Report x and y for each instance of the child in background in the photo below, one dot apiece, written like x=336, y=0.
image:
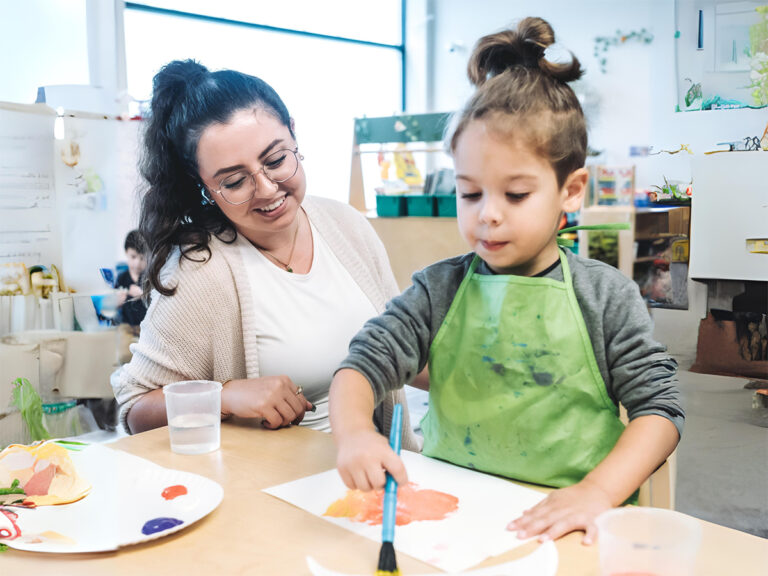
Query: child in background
x=530, y=348
x=132, y=307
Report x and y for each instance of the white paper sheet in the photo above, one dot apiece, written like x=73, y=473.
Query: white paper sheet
x=476, y=531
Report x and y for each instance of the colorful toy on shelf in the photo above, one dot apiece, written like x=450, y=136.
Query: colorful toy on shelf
x=406, y=168
x=614, y=185
x=672, y=192
x=384, y=165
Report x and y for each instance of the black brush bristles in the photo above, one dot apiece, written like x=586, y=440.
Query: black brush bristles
x=387, y=561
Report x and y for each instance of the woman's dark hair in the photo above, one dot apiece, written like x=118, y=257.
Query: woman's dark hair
x=186, y=99
x=522, y=94
x=134, y=240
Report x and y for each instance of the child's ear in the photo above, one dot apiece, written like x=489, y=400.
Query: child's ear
x=574, y=189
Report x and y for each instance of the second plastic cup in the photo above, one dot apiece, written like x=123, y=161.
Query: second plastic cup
x=194, y=415
x=647, y=542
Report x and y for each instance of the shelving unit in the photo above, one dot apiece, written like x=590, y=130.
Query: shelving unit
x=656, y=233
x=412, y=243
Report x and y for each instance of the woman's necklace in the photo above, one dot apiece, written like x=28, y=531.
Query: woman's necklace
x=286, y=265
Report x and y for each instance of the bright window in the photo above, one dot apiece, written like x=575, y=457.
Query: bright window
x=324, y=83
x=372, y=21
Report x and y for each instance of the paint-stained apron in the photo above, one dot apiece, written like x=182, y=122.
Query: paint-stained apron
x=515, y=388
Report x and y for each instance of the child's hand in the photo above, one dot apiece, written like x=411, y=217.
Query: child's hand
x=563, y=511
x=134, y=291
x=362, y=459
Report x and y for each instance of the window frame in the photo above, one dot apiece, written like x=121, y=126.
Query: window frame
x=400, y=48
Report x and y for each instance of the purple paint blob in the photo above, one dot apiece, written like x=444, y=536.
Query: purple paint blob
x=159, y=524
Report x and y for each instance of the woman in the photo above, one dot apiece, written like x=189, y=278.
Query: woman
x=255, y=285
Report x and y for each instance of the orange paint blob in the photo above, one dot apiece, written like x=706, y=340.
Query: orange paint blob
x=173, y=491
x=413, y=505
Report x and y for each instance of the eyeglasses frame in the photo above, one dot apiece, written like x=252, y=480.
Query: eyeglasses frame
x=252, y=175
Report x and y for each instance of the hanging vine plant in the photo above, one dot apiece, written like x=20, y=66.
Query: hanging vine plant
x=602, y=43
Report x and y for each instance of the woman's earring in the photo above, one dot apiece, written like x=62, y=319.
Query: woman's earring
x=206, y=199
x=301, y=157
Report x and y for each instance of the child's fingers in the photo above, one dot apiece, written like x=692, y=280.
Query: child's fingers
x=590, y=534
x=377, y=478
x=360, y=480
x=346, y=477
x=394, y=465
x=561, y=528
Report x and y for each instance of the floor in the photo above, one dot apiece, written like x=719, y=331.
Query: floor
x=722, y=459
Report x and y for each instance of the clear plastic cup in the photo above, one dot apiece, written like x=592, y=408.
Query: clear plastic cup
x=647, y=542
x=194, y=415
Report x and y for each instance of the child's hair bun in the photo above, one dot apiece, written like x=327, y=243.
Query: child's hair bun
x=524, y=47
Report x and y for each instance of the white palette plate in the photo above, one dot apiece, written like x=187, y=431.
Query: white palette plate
x=125, y=506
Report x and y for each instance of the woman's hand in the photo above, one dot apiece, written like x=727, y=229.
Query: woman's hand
x=362, y=459
x=563, y=511
x=276, y=399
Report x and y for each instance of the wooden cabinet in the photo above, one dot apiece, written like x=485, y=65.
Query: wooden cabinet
x=653, y=252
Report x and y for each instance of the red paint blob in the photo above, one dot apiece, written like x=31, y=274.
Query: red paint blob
x=173, y=491
x=413, y=505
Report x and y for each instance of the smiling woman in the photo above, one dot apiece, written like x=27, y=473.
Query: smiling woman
x=254, y=284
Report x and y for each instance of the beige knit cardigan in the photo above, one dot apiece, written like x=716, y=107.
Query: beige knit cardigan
x=207, y=329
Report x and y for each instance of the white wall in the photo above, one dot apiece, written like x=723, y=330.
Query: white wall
x=636, y=95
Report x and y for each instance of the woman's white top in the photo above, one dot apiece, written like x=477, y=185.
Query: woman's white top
x=307, y=351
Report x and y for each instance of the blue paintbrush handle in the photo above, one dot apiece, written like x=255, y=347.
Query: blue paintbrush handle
x=390, y=491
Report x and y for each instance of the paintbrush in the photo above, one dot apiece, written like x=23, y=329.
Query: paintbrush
x=387, y=560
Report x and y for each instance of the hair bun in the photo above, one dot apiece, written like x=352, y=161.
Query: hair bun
x=524, y=47
x=171, y=82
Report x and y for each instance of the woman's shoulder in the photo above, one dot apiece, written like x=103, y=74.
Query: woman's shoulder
x=209, y=264
x=326, y=208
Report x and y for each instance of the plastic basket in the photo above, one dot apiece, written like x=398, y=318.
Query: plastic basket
x=390, y=206
x=421, y=205
x=446, y=205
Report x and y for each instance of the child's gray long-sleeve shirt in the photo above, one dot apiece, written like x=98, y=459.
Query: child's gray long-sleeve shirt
x=392, y=348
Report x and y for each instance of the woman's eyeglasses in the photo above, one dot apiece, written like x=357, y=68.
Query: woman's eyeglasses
x=279, y=166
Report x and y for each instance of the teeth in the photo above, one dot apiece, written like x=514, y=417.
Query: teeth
x=276, y=204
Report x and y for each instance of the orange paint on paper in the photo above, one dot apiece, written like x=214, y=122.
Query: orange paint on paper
x=413, y=505
x=174, y=491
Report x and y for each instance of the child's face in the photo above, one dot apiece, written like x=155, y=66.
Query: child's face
x=136, y=262
x=509, y=203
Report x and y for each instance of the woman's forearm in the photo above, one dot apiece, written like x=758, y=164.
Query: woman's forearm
x=148, y=413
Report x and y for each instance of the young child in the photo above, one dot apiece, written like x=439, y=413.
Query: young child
x=132, y=307
x=530, y=348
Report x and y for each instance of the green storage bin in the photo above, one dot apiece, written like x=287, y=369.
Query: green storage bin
x=446, y=205
x=421, y=205
x=390, y=206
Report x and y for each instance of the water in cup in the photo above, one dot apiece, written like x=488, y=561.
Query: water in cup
x=194, y=433
x=194, y=415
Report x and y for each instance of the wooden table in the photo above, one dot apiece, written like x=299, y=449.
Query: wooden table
x=253, y=533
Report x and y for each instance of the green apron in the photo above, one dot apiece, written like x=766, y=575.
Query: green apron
x=515, y=389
